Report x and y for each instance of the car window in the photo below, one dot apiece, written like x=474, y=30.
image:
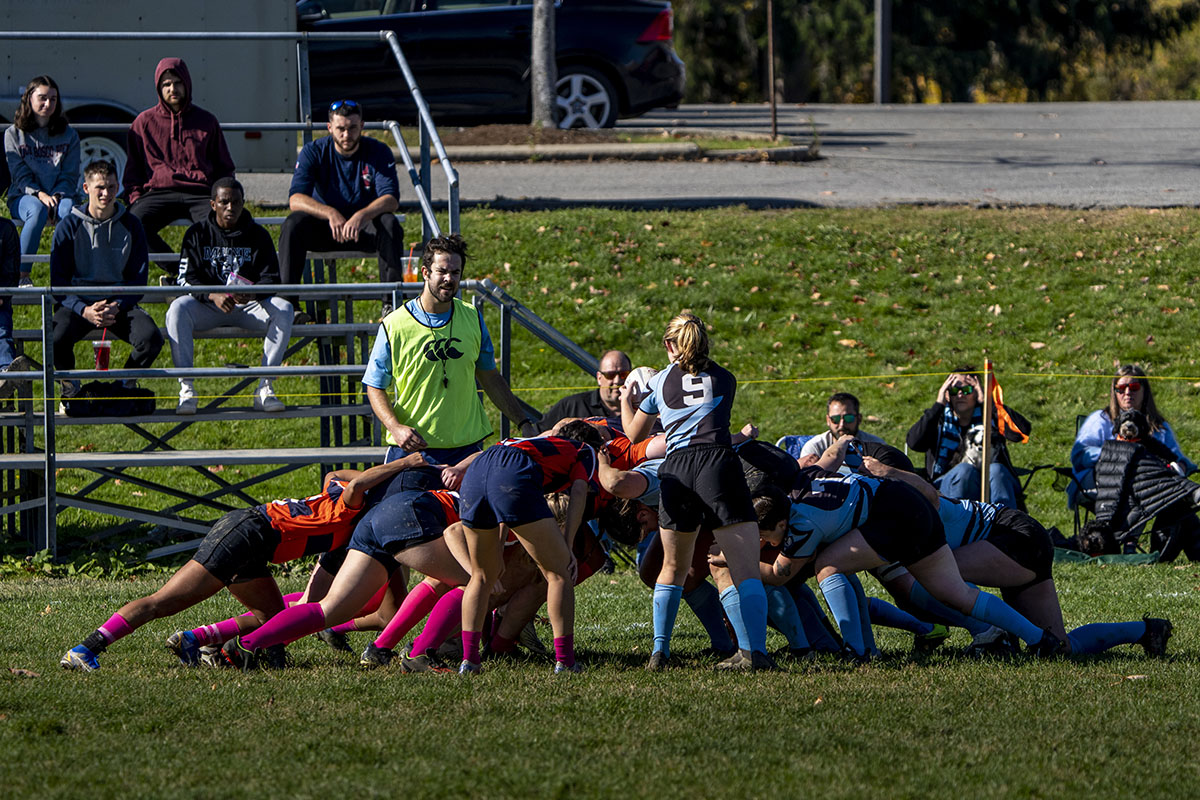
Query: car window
x=349, y=9
x=454, y=5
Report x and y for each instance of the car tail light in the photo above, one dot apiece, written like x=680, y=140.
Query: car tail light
x=660, y=30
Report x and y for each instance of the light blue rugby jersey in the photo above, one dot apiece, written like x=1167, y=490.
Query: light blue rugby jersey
x=966, y=521
x=694, y=409
x=836, y=505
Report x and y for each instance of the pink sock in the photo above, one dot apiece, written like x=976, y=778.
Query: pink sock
x=445, y=617
x=217, y=633
x=115, y=628
x=471, y=641
x=289, y=600
x=345, y=627
x=373, y=604
x=419, y=602
x=502, y=645
x=287, y=626
x=564, y=650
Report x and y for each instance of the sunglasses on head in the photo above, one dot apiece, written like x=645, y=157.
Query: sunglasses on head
x=614, y=374
x=344, y=105
x=836, y=418
x=961, y=390
x=1125, y=388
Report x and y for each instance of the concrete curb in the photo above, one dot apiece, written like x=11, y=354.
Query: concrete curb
x=622, y=151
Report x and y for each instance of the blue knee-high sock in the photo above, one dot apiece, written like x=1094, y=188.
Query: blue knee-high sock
x=884, y=613
x=839, y=594
x=1100, y=636
x=816, y=624
x=864, y=615
x=783, y=614
x=993, y=610
x=666, y=607
x=923, y=600
x=754, y=613
x=732, y=601
x=705, y=603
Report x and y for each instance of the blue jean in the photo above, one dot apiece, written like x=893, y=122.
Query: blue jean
x=962, y=483
x=33, y=215
x=7, y=351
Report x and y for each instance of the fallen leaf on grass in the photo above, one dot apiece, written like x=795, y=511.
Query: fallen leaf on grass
x=818, y=701
x=849, y=342
x=47, y=610
x=1037, y=345
x=24, y=673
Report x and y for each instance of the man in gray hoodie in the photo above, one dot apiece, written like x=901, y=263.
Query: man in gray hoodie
x=101, y=244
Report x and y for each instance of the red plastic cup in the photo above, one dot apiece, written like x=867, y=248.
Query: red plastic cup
x=102, y=349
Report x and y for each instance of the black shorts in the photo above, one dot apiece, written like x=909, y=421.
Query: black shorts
x=703, y=486
x=401, y=521
x=239, y=546
x=901, y=525
x=1023, y=539
x=332, y=561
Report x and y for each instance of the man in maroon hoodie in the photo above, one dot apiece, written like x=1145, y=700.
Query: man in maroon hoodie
x=176, y=153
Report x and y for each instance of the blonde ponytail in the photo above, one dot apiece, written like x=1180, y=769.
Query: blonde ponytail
x=686, y=332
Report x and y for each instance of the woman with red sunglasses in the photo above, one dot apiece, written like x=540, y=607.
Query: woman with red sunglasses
x=1130, y=390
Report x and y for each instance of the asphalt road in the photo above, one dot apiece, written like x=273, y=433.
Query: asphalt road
x=1083, y=155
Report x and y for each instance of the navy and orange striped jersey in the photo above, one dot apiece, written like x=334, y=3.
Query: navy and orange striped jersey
x=563, y=461
x=622, y=453
x=316, y=524
x=449, y=502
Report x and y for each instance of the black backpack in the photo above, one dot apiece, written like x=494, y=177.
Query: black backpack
x=109, y=399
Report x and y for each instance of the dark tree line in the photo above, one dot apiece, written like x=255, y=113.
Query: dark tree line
x=942, y=49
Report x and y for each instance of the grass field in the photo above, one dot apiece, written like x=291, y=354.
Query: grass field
x=1109, y=726
x=882, y=303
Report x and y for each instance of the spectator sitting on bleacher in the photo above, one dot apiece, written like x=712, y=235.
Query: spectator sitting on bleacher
x=342, y=197
x=42, y=151
x=228, y=249
x=176, y=152
x=843, y=418
x=101, y=244
x=603, y=401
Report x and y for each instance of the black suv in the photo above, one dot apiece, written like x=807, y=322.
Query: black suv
x=471, y=58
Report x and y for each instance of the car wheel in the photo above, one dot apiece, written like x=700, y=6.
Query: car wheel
x=97, y=148
x=584, y=99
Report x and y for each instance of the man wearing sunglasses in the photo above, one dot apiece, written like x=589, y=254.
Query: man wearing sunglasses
x=603, y=401
x=843, y=418
x=342, y=196
x=176, y=153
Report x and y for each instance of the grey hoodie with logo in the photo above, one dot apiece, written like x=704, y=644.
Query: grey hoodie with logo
x=91, y=253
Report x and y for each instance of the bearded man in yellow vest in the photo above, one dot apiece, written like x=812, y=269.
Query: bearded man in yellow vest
x=431, y=351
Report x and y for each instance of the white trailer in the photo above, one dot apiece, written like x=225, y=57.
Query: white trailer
x=104, y=81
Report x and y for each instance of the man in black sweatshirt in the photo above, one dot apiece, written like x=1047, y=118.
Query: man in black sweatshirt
x=226, y=251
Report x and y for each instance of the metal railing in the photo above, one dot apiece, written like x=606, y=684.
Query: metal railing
x=427, y=134
x=511, y=310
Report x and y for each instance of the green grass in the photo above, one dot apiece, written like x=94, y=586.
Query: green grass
x=882, y=303
x=1117, y=725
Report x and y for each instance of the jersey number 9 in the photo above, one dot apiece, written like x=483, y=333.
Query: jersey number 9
x=697, y=390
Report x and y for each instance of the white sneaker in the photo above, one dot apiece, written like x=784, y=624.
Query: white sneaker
x=188, y=402
x=24, y=280
x=265, y=399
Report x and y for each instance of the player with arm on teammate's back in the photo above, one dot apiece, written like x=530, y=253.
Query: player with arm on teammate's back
x=702, y=483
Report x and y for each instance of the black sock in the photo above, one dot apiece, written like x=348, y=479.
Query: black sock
x=95, y=642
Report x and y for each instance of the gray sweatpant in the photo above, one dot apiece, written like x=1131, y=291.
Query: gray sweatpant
x=272, y=316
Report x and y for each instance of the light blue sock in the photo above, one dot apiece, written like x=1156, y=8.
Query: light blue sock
x=816, y=625
x=939, y=610
x=1100, y=636
x=666, y=607
x=705, y=603
x=783, y=614
x=733, y=609
x=992, y=609
x=864, y=615
x=884, y=613
x=839, y=594
x=754, y=613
